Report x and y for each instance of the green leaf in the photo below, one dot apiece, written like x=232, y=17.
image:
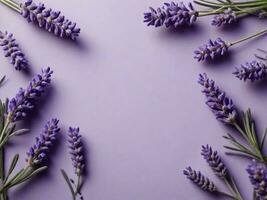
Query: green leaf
x=68, y=182
x=12, y=165
x=2, y=80
x=263, y=140
x=19, y=132
x=26, y=175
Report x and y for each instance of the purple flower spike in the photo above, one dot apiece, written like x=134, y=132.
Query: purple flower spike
x=76, y=150
x=172, y=15
x=227, y=17
x=51, y=21
x=258, y=178
x=12, y=50
x=211, y=50
x=155, y=17
x=220, y=104
x=24, y=100
x=179, y=14
x=201, y=181
x=214, y=161
x=252, y=71
x=38, y=152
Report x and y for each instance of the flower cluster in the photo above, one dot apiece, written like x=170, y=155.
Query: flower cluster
x=38, y=152
x=252, y=71
x=214, y=161
x=171, y=14
x=258, y=178
x=51, y=21
x=12, y=50
x=76, y=150
x=23, y=101
x=200, y=180
x=211, y=50
x=220, y=104
x=227, y=17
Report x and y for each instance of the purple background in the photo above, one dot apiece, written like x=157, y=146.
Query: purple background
x=133, y=92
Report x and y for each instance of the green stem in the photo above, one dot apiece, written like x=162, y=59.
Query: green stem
x=230, y=183
x=228, y=195
x=229, y=5
x=3, y=196
x=248, y=38
x=11, y=4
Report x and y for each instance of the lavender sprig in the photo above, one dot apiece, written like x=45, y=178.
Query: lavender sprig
x=258, y=178
x=77, y=157
x=35, y=157
x=200, y=180
x=225, y=111
x=220, y=104
x=211, y=50
x=214, y=161
x=19, y=106
x=227, y=17
x=219, y=47
x=11, y=49
x=172, y=15
x=50, y=20
x=252, y=71
x=39, y=151
x=76, y=150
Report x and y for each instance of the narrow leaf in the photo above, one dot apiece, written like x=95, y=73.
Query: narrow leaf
x=68, y=182
x=263, y=140
x=2, y=80
x=13, y=165
x=19, y=132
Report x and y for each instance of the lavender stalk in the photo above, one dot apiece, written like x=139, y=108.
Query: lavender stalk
x=77, y=157
x=205, y=183
x=17, y=108
x=219, y=47
x=11, y=49
x=51, y=21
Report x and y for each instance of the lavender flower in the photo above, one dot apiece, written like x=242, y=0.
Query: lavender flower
x=51, y=21
x=12, y=50
x=171, y=14
x=24, y=100
x=211, y=50
x=220, y=104
x=76, y=150
x=214, y=161
x=38, y=152
x=156, y=17
x=252, y=71
x=179, y=14
x=227, y=17
x=258, y=178
x=200, y=180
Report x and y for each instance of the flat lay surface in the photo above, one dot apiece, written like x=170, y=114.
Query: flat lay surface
x=133, y=92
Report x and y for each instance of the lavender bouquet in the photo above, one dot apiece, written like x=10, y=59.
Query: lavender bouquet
x=246, y=144
x=224, y=12
x=14, y=110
